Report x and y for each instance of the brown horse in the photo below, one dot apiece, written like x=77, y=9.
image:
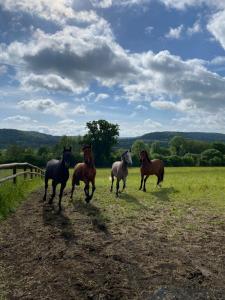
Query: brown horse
x=150, y=167
x=85, y=172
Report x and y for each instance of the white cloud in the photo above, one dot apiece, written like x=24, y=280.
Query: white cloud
x=216, y=26
x=3, y=70
x=149, y=30
x=47, y=106
x=50, y=82
x=137, y=129
x=17, y=118
x=196, y=28
x=175, y=33
x=183, y=105
x=101, y=96
x=79, y=110
x=59, y=11
x=183, y=4
x=141, y=107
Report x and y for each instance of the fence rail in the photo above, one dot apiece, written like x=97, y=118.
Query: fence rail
x=34, y=171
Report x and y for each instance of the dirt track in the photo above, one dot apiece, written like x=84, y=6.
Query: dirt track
x=77, y=256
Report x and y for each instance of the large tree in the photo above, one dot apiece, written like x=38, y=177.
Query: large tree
x=102, y=136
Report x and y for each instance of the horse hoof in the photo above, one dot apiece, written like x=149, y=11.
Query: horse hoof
x=144, y=191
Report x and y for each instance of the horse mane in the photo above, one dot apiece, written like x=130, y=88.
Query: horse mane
x=146, y=154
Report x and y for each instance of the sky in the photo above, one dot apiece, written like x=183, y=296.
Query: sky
x=147, y=65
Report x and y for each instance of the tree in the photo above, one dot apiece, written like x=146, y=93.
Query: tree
x=102, y=136
x=219, y=146
x=211, y=157
x=138, y=146
x=177, y=145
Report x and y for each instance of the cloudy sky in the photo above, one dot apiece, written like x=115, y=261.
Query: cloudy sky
x=148, y=65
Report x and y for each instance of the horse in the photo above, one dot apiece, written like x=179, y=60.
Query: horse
x=150, y=167
x=120, y=171
x=85, y=172
x=58, y=171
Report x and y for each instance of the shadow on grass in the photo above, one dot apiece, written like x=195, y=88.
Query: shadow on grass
x=94, y=213
x=59, y=221
x=131, y=199
x=164, y=193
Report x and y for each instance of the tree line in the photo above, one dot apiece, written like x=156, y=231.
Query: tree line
x=103, y=136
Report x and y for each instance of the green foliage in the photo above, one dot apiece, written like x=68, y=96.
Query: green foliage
x=102, y=135
x=136, y=148
x=219, y=146
x=177, y=145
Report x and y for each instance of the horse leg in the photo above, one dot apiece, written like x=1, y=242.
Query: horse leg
x=124, y=184
x=144, y=188
x=158, y=181
x=117, y=187
x=112, y=177
x=54, y=184
x=93, y=189
x=46, y=188
x=60, y=195
x=73, y=188
x=142, y=178
x=86, y=190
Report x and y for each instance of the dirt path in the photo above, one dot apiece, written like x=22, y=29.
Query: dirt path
x=77, y=255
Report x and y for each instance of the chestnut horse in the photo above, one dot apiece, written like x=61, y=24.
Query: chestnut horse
x=150, y=167
x=85, y=172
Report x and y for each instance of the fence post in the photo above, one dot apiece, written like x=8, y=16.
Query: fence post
x=25, y=175
x=14, y=173
x=31, y=175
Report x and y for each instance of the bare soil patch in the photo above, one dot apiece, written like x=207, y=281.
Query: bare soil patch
x=82, y=255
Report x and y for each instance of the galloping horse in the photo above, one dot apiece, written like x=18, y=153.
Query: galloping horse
x=120, y=170
x=85, y=172
x=150, y=167
x=58, y=171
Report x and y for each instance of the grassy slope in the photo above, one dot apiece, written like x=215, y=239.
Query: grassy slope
x=12, y=195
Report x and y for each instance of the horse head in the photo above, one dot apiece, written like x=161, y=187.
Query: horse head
x=67, y=156
x=144, y=156
x=88, y=157
x=126, y=156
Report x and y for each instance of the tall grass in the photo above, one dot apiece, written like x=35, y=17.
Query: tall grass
x=11, y=195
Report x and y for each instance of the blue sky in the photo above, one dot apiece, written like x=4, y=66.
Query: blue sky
x=148, y=65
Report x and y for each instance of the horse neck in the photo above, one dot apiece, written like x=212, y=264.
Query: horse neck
x=124, y=165
x=146, y=162
x=62, y=163
x=91, y=162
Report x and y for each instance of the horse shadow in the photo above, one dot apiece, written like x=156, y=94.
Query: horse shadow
x=98, y=220
x=131, y=199
x=163, y=194
x=58, y=221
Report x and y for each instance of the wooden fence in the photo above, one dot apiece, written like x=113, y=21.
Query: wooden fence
x=28, y=169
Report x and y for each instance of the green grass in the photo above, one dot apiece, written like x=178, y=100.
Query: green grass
x=11, y=195
x=188, y=197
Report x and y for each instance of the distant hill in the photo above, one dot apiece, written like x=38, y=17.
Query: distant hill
x=31, y=139
x=36, y=139
x=165, y=136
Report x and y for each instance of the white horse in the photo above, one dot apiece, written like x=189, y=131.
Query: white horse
x=120, y=170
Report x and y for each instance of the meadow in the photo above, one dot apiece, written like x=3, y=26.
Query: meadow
x=167, y=241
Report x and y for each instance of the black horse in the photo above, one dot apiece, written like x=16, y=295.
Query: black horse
x=58, y=171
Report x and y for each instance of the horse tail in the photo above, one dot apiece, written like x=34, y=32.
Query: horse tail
x=162, y=174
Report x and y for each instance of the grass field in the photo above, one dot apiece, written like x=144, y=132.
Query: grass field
x=184, y=190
